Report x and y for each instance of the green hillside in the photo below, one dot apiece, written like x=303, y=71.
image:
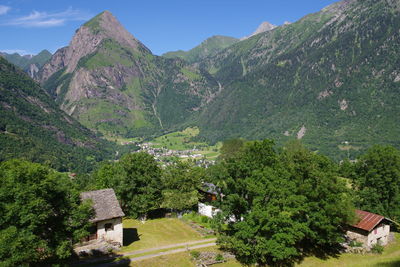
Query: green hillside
x=334, y=74
x=32, y=127
x=23, y=61
x=209, y=47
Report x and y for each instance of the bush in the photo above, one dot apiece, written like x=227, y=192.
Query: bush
x=197, y=218
x=195, y=254
x=377, y=249
x=219, y=257
x=355, y=244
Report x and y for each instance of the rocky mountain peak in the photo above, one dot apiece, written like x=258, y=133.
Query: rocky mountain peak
x=263, y=27
x=87, y=40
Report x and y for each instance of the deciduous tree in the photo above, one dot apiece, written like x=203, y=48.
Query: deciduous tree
x=285, y=205
x=377, y=180
x=40, y=214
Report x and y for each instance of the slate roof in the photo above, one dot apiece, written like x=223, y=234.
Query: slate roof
x=368, y=220
x=209, y=188
x=105, y=204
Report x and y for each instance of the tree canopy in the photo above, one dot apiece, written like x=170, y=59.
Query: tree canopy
x=376, y=177
x=285, y=205
x=41, y=216
x=136, y=180
x=180, y=186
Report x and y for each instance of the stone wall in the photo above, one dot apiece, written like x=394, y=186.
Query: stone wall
x=111, y=235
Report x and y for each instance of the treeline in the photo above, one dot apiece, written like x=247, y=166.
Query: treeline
x=278, y=204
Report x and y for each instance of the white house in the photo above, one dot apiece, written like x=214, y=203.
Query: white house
x=209, y=194
x=370, y=229
x=107, y=222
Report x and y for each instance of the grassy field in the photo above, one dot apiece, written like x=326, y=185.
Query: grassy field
x=389, y=258
x=154, y=233
x=179, y=259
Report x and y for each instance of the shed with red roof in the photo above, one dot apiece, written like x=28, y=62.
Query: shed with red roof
x=370, y=229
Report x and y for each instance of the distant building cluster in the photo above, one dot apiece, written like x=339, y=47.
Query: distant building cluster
x=165, y=155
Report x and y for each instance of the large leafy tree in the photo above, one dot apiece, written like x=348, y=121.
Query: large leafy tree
x=40, y=214
x=285, y=205
x=136, y=180
x=180, y=185
x=377, y=179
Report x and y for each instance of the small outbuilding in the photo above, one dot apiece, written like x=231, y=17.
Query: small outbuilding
x=107, y=222
x=370, y=229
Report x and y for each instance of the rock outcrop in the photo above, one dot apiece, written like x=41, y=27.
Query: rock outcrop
x=264, y=27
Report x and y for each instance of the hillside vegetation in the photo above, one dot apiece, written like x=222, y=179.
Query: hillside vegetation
x=331, y=78
x=34, y=128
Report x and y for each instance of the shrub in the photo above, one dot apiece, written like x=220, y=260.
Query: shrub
x=377, y=249
x=219, y=257
x=195, y=254
x=355, y=244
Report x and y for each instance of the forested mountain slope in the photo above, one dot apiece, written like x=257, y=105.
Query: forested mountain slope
x=34, y=128
x=331, y=79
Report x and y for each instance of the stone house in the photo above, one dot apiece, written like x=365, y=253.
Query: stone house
x=370, y=229
x=107, y=222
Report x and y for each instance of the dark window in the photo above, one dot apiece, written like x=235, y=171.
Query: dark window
x=109, y=227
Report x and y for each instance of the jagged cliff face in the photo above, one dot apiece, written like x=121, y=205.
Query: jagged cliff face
x=112, y=83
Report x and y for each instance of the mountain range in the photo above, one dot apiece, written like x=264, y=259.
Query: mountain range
x=29, y=63
x=330, y=79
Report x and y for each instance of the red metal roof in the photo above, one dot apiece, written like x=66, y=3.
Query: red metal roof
x=368, y=220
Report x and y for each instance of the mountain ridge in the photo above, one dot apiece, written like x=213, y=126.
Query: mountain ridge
x=207, y=48
x=263, y=27
x=31, y=64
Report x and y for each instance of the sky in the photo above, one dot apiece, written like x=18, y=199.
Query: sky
x=29, y=26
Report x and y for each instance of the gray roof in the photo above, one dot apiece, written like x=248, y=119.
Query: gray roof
x=105, y=204
x=209, y=188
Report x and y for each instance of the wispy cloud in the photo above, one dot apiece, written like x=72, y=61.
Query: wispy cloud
x=44, y=19
x=4, y=9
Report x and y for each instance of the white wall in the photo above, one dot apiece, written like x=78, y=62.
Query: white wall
x=381, y=233
x=110, y=235
x=207, y=210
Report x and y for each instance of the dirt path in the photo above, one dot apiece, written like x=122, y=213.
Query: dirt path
x=172, y=251
x=167, y=247
x=186, y=247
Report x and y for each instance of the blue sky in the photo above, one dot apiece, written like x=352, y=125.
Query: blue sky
x=28, y=26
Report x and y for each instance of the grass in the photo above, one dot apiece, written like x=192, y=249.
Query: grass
x=190, y=74
x=197, y=218
x=179, y=259
x=154, y=233
x=389, y=258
